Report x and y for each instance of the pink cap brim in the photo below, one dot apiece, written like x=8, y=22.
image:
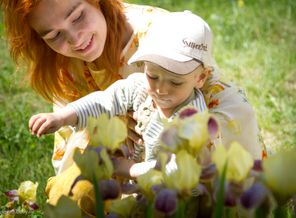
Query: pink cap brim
x=173, y=66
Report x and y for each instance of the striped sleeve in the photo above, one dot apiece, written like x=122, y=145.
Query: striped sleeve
x=116, y=100
x=199, y=102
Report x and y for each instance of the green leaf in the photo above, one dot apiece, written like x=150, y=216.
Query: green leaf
x=64, y=208
x=123, y=207
x=99, y=200
x=218, y=212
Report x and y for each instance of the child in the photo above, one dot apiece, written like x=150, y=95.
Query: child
x=177, y=64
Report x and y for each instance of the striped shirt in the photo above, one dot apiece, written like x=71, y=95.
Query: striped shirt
x=131, y=94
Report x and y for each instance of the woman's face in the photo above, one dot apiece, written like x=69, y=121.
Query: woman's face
x=73, y=28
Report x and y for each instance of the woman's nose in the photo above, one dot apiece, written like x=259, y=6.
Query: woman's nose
x=74, y=39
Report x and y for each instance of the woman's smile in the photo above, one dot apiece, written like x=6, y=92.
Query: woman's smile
x=86, y=46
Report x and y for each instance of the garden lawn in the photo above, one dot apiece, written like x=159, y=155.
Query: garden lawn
x=22, y=156
x=254, y=45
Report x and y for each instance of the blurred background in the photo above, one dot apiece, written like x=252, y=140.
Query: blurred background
x=254, y=46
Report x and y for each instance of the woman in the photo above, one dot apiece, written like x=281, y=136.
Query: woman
x=71, y=49
x=74, y=47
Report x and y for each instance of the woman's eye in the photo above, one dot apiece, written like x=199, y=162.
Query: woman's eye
x=55, y=37
x=78, y=18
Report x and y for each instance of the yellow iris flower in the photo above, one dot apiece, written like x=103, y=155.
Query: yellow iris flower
x=107, y=132
x=186, y=176
x=279, y=172
x=195, y=130
x=239, y=160
x=27, y=191
x=89, y=165
x=149, y=179
x=192, y=133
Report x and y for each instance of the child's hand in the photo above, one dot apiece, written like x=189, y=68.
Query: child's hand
x=122, y=166
x=133, y=135
x=45, y=123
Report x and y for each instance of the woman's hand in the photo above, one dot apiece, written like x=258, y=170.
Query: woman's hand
x=133, y=136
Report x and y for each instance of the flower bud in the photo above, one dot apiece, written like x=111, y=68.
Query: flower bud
x=12, y=195
x=254, y=196
x=166, y=201
x=232, y=193
x=109, y=189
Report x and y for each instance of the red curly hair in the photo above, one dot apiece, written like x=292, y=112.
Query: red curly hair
x=46, y=67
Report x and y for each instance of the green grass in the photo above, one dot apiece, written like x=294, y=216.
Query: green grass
x=255, y=47
x=22, y=157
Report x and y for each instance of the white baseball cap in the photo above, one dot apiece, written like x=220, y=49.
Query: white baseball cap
x=178, y=42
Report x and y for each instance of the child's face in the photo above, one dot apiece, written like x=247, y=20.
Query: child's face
x=73, y=28
x=169, y=90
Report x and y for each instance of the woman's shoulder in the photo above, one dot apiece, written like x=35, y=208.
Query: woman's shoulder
x=146, y=10
x=141, y=16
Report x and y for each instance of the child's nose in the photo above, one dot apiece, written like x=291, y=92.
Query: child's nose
x=162, y=88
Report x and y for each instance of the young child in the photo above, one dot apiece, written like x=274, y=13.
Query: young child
x=177, y=64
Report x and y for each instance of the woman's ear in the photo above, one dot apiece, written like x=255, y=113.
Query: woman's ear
x=202, y=78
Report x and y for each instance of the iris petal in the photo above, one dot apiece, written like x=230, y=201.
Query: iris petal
x=254, y=196
x=109, y=189
x=279, y=172
x=239, y=160
x=107, y=132
x=27, y=191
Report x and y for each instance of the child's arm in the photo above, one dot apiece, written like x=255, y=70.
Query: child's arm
x=129, y=169
x=45, y=123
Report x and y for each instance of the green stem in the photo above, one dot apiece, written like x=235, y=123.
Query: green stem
x=280, y=212
x=260, y=213
x=218, y=212
x=149, y=210
x=181, y=209
x=99, y=200
x=229, y=212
